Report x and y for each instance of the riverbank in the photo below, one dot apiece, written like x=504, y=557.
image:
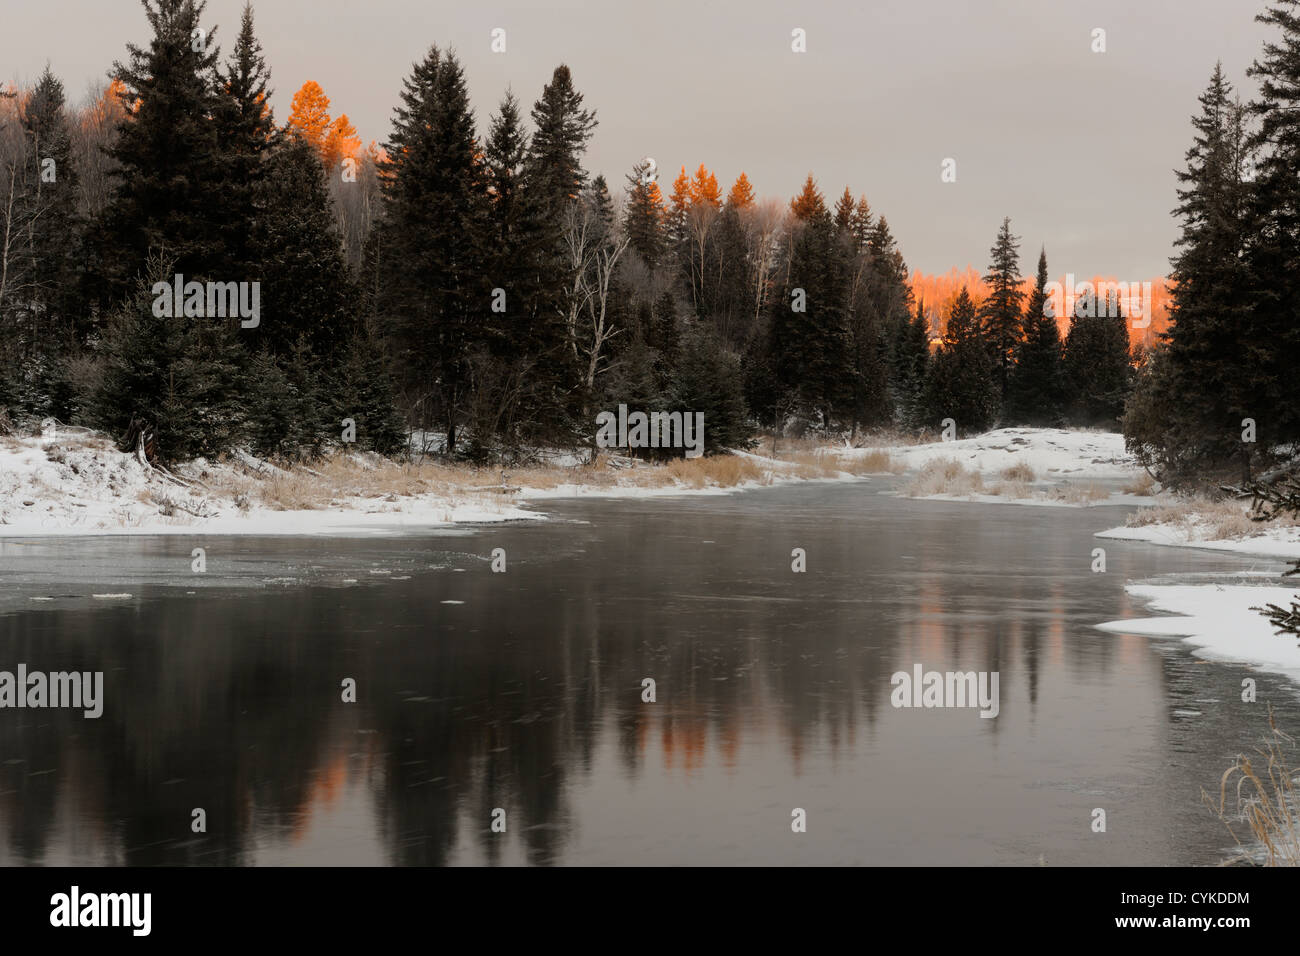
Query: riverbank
x=80, y=483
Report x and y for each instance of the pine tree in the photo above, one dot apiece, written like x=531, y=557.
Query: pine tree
x=909, y=368
x=741, y=196
x=962, y=383
x=643, y=216
x=1001, y=310
x=176, y=382
x=245, y=130
x=436, y=221
x=809, y=339
x=708, y=379
x=809, y=204
x=1217, y=368
x=307, y=295
x=1096, y=362
x=1036, y=386
x=527, y=339
x=1271, y=391
x=561, y=131
x=845, y=210
x=172, y=180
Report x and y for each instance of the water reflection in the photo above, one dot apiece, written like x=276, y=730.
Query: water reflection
x=772, y=692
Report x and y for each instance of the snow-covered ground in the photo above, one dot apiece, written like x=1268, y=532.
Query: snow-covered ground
x=1027, y=466
x=79, y=483
x=1219, y=620
x=1194, y=532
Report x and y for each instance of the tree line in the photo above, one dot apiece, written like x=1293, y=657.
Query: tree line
x=1220, y=398
x=476, y=288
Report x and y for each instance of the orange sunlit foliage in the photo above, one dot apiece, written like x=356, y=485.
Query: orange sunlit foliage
x=704, y=189
x=309, y=117
x=809, y=202
x=681, y=198
x=309, y=114
x=340, y=142
x=741, y=196
x=937, y=292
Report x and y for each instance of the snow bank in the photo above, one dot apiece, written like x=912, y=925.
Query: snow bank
x=1065, y=463
x=1050, y=452
x=81, y=484
x=1218, y=620
x=1277, y=542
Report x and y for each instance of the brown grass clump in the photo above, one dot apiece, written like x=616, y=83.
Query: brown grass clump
x=1143, y=484
x=1012, y=489
x=1081, y=493
x=1213, y=520
x=1019, y=472
x=724, y=471
x=944, y=476
x=1264, y=785
x=875, y=462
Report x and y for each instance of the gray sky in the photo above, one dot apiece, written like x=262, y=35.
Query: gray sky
x=1076, y=147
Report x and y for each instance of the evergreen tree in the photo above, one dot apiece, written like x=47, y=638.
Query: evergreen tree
x=1036, y=387
x=245, y=128
x=1096, y=362
x=434, y=229
x=708, y=379
x=172, y=186
x=962, y=383
x=809, y=339
x=643, y=216
x=1270, y=389
x=561, y=131
x=1217, y=368
x=173, y=381
x=526, y=340
x=307, y=296
x=909, y=368
x=1000, y=312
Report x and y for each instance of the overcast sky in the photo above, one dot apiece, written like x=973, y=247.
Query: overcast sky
x=1076, y=147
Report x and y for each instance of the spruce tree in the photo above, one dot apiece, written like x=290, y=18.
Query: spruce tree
x=1096, y=362
x=962, y=382
x=1036, y=386
x=1270, y=388
x=561, y=131
x=1217, y=366
x=809, y=339
x=245, y=130
x=435, y=226
x=909, y=368
x=643, y=215
x=171, y=179
x=1001, y=310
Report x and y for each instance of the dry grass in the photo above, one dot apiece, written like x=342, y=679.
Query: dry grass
x=1143, y=484
x=333, y=480
x=1264, y=785
x=1212, y=520
x=1020, y=473
x=875, y=462
x=723, y=471
x=944, y=476
x=1081, y=493
x=1012, y=489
